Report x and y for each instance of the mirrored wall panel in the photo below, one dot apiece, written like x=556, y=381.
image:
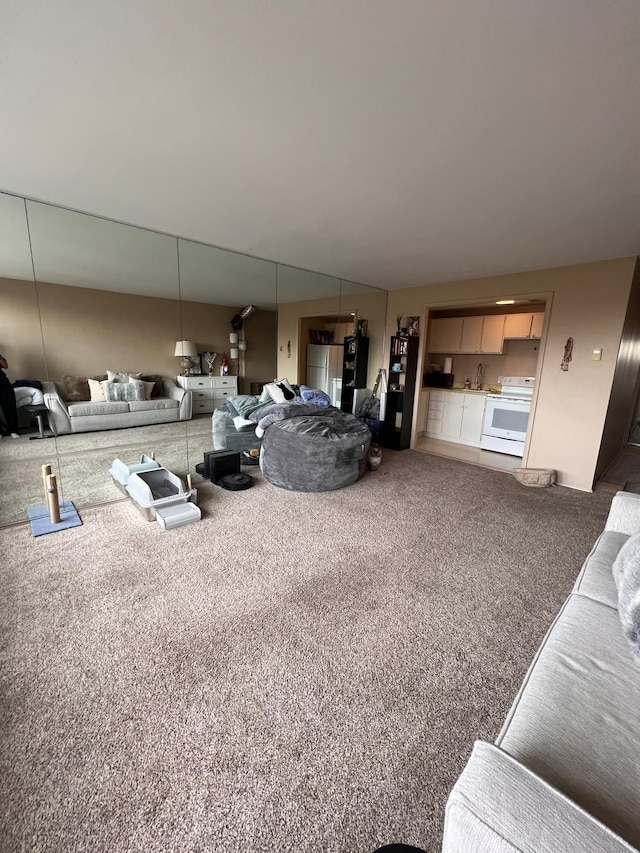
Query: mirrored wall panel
x=122, y=341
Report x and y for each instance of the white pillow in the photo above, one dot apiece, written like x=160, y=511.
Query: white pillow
x=280, y=391
x=113, y=376
x=148, y=388
x=96, y=390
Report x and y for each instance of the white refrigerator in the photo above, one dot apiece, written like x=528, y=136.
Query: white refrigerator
x=324, y=364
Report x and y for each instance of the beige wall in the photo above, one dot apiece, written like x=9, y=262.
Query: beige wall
x=587, y=302
x=371, y=306
x=20, y=337
x=624, y=391
x=87, y=331
x=208, y=326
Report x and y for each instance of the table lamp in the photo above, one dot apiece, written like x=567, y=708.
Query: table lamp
x=184, y=351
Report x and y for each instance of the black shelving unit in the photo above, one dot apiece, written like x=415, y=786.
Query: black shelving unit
x=354, y=369
x=401, y=381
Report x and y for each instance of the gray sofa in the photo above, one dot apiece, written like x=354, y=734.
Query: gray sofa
x=85, y=416
x=564, y=773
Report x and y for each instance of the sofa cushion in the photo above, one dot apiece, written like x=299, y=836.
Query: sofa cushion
x=501, y=806
x=596, y=576
x=575, y=721
x=86, y=409
x=150, y=405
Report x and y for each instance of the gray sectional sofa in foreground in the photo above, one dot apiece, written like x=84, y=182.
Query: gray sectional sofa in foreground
x=564, y=774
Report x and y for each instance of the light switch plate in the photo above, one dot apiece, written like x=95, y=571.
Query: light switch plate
x=596, y=354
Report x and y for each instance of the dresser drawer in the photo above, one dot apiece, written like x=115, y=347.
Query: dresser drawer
x=221, y=394
x=192, y=383
x=202, y=394
x=221, y=383
x=203, y=405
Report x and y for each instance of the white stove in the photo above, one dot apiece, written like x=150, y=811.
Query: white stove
x=506, y=416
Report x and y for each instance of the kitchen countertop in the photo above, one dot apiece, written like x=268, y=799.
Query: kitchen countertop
x=461, y=390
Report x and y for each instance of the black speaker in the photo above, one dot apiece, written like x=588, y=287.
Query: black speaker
x=220, y=463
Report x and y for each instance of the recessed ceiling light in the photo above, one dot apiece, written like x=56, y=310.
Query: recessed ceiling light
x=505, y=301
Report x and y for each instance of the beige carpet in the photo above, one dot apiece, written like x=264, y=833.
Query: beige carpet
x=297, y=672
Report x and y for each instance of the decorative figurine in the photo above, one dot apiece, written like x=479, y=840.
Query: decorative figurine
x=210, y=357
x=224, y=367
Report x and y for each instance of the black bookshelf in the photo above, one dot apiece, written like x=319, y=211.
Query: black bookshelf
x=354, y=369
x=401, y=382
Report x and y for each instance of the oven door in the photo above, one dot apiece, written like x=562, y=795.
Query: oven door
x=506, y=418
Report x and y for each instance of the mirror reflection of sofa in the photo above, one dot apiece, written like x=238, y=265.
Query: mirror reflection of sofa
x=77, y=404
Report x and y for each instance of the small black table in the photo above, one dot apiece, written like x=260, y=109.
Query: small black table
x=38, y=410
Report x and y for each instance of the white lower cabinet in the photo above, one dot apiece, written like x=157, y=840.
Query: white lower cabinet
x=455, y=416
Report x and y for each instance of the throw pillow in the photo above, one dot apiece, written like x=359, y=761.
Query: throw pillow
x=113, y=376
x=281, y=391
x=626, y=574
x=96, y=390
x=148, y=388
x=244, y=404
x=76, y=388
x=123, y=392
x=158, y=387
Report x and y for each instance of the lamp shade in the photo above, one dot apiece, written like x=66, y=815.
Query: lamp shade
x=185, y=348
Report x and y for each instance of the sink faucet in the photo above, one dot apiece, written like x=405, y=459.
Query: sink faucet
x=478, y=382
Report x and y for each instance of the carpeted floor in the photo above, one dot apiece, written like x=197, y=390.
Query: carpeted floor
x=297, y=672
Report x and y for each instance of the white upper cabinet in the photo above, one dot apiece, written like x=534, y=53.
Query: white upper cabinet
x=445, y=334
x=471, y=340
x=523, y=325
x=537, y=321
x=492, y=333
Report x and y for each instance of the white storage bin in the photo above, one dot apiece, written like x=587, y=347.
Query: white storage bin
x=177, y=515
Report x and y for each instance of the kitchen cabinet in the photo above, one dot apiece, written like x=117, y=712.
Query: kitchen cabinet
x=523, y=326
x=537, y=322
x=492, y=333
x=421, y=420
x=479, y=334
x=456, y=416
x=445, y=335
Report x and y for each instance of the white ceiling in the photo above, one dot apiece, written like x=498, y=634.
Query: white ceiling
x=391, y=143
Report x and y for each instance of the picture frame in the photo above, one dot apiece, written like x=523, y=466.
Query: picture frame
x=196, y=368
x=413, y=325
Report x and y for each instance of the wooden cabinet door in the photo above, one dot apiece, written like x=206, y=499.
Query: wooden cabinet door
x=471, y=334
x=452, y=415
x=472, y=417
x=517, y=325
x=492, y=333
x=537, y=321
x=444, y=335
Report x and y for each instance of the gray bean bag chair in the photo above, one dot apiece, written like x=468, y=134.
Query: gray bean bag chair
x=315, y=453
